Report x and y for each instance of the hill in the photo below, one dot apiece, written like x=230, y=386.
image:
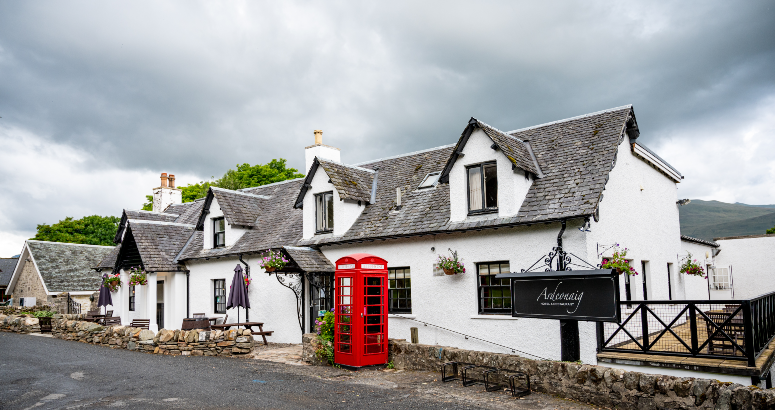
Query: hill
x=713, y=219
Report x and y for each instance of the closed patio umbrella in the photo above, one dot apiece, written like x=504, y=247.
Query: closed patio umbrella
x=238, y=296
x=105, y=298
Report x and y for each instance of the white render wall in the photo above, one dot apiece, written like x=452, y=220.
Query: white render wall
x=512, y=185
x=270, y=302
x=639, y=212
x=753, y=273
x=697, y=288
x=345, y=212
x=163, y=197
x=451, y=301
x=232, y=233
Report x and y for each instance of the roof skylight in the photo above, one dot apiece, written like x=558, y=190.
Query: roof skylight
x=430, y=180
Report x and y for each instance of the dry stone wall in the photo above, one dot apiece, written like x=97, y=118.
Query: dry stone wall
x=598, y=385
x=197, y=342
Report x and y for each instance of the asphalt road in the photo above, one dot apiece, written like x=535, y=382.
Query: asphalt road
x=46, y=373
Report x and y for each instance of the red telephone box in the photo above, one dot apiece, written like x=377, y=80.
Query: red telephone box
x=360, y=309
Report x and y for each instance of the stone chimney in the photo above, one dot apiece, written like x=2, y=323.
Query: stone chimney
x=319, y=150
x=166, y=194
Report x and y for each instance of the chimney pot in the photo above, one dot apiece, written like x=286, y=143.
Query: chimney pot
x=318, y=137
x=163, y=179
x=171, y=178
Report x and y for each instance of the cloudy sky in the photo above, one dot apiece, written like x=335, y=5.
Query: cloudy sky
x=98, y=98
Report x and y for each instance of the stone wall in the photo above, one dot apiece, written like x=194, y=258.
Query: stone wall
x=198, y=342
x=598, y=385
x=29, y=285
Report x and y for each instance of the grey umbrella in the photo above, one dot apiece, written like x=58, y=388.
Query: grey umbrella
x=105, y=298
x=238, y=296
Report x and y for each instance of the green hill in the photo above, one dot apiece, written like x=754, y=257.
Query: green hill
x=713, y=219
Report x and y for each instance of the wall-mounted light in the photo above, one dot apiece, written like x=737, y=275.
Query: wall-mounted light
x=682, y=202
x=586, y=226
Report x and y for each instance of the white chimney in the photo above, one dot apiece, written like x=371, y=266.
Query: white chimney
x=319, y=150
x=166, y=194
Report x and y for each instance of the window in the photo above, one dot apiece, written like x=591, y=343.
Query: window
x=720, y=278
x=324, y=212
x=494, y=294
x=131, y=298
x=430, y=180
x=400, y=290
x=482, y=188
x=219, y=233
x=219, y=299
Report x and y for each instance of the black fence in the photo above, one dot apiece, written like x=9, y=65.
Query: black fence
x=725, y=329
x=73, y=307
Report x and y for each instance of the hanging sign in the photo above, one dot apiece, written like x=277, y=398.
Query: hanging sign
x=591, y=295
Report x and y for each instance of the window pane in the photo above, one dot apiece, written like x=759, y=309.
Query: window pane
x=474, y=188
x=491, y=186
x=329, y=211
x=319, y=212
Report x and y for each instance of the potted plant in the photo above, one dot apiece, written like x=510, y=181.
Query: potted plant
x=618, y=263
x=273, y=260
x=247, y=281
x=690, y=267
x=137, y=276
x=451, y=265
x=44, y=319
x=113, y=282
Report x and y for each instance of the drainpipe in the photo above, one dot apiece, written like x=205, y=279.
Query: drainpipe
x=188, y=295
x=569, y=329
x=247, y=273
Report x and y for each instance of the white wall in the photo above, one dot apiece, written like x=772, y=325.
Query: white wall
x=753, y=273
x=165, y=196
x=639, y=212
x=321, y=151
x=696, y=288
x=232, y=233
x=345, y=212
x=512, y=185
x=452, y=302
x=270, y=302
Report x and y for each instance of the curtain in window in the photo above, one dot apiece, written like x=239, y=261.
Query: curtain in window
x=330, y=211
x=474, y=189
x=319, y=212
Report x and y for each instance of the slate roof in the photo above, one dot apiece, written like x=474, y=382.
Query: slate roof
x=700, y=241
x=574, y=156
x=7, y=266
x=239, y=208
x=159, y=243
x=515, y=149
x=350, y=182
x=67, y=267
x=309, y=260
x=278, y=223
x=109, y=261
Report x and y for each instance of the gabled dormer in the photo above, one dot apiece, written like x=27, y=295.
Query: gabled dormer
x=489, y=173
x=227, y=215
x=333, y=196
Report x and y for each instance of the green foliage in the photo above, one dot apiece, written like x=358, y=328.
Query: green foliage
x=91, y=230
x=245, y=176
x=148, y=205
x=43, y=313
x=325, y=331
x=771, y=231
x=391, y=365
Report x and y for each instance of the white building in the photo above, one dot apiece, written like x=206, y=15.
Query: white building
x=500, y=199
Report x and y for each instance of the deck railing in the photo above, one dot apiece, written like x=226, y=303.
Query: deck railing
x=726, y=329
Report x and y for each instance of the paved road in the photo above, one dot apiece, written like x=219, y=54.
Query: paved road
x=46, y=373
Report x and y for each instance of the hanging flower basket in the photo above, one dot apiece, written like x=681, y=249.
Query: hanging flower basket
x=451, y=265
x=618, y=263
x=274, y=260
x=137, y=277
x=690, y=267
x=113, y=282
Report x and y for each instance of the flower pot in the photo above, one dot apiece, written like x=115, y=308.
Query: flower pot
x=269, y=269
x=449, y=271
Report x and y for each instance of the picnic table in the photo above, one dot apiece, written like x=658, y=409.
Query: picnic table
x=246, y=325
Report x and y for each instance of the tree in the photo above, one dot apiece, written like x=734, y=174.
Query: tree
x=245, y=176
x=771, y=231
x=91, y=230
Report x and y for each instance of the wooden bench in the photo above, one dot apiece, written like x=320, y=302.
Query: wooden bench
x=113, y=321
x=141, y=323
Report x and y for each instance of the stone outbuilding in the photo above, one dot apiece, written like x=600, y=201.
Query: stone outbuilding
x=46, y=269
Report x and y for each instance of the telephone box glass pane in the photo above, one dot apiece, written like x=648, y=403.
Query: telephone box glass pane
x=345, y=319
x=346, y=290
x=344, y=281
x=343, y=348
x=371, y=329
x=374, y=310
x=371, y=339
x=345, y=328
x=344, y=338
x=373, y=290
x=345, y=310
x=374, y=320
x=344, y=300
x=374, y=348
x=373, y=300
x=370, y=281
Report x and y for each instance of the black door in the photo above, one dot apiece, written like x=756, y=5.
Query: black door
x=320, y=296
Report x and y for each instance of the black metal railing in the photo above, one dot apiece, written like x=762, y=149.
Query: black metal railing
x=73, y=307
x=727, y=329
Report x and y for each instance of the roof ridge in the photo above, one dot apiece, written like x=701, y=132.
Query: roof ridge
x=273, y=183
x=66, y=243
x=300, y=248
x=502, y=132
x=145, y=221
x=348, y=166
x=241, y=193
x=570, y=119
x=407, y=154
x=153, y=212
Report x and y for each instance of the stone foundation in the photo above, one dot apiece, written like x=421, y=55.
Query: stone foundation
x=197, y=342
x=598, y=385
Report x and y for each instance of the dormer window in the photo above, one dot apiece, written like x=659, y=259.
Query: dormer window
x=219, y=232
x=430, y=180
x=324, y=212
x=482, y=188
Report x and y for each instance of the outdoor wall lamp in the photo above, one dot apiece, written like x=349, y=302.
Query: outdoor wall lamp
x=585, y=227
